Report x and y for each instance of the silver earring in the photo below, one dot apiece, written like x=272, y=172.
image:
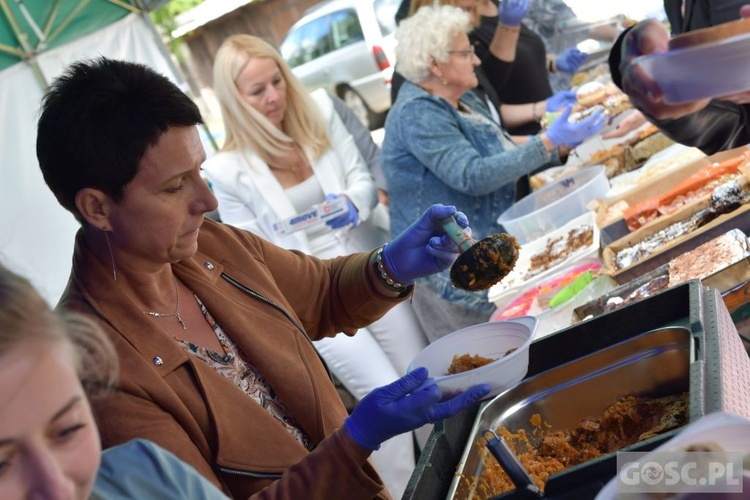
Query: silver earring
x=111, y=255
x=444, y=81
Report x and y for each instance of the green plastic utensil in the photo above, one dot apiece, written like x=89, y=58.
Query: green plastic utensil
x=572, y=289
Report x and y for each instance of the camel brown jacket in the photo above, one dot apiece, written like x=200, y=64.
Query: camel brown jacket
x=271, y=302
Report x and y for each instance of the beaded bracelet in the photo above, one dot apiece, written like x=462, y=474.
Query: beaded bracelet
x=381, y=273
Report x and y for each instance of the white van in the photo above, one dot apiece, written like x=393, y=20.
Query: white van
x=346, y=46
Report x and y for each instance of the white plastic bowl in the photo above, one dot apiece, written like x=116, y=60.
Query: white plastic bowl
x=490, y=340
x=555, y=204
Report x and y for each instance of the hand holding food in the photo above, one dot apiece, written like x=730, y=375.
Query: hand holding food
x=572, y=134
x=405, y=405
x=423, y=248
x=649, y=37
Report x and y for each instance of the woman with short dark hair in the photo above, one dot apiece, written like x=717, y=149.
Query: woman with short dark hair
x=213, y=325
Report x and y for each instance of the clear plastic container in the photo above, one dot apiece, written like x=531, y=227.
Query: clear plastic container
x=490, y=340
x=521, y=276
x=555, y=204
x=708, y=70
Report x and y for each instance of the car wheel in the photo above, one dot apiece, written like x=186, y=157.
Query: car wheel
x=360, y=109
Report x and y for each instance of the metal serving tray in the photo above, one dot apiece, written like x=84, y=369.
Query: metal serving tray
x=727, y=281
x=719, y=381
x=656, y=363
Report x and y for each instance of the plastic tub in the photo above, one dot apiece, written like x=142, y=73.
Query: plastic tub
x=534, y=299
x=704, y=71
x=521, y=276
x=490, y=340
x=555, y=204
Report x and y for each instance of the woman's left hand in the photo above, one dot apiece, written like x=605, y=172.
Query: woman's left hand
x=423, y=248
x=350, y=217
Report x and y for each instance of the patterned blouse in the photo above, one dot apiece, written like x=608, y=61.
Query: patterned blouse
x=233, y=365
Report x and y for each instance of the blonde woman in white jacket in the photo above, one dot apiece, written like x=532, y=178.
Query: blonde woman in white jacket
x=286, y=150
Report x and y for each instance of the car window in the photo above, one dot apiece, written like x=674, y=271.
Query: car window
x=385, y=13
x=307, y=42
x=345, y=28
x=291, y=50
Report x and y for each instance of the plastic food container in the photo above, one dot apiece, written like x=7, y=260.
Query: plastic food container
x=535, y=299
x=709, y=70
x=490, y=340
x=522, y=277
x=555, y=204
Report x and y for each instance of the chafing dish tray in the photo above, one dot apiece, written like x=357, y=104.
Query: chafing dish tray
x=727, y=281
x=719, y=379
x=656, y=363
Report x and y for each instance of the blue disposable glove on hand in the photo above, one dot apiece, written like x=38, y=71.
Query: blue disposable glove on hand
x=569, y=60
x=350, y=217
x=572, y=134
x=561, y=99
x=512, y=12
x=405, y=405
x=423, y=248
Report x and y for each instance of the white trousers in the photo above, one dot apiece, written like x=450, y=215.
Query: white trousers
x=376, y=356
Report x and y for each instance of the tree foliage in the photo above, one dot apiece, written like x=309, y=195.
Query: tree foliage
x=164, y=18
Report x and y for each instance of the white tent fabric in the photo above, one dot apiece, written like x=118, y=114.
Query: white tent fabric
x=36, y=233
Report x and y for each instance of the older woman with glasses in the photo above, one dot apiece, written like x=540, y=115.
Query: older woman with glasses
x=441, y=143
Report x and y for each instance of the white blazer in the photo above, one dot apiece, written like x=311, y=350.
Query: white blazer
x=251, y=198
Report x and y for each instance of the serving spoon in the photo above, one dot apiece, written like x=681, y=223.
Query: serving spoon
x=482, y=263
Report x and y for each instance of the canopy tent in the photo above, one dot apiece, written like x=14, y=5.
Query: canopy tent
x=38, y=40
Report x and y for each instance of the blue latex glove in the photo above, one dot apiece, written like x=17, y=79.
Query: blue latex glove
x=569, y=60
x=405, y=405
x=511, y=12
x=560, y=99
x=572, y=134
x=423, y=248
x=350, y=217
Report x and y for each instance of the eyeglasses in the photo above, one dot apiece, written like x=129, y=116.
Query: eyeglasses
x=466, y=54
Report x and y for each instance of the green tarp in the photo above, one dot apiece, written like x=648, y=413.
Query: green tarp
x=29, y=27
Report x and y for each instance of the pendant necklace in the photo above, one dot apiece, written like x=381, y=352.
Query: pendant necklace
x=176, y=312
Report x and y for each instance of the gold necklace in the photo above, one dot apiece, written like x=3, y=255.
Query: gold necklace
x=293, y=166
x=176, y=312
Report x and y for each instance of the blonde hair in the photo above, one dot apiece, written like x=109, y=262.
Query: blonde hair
x=425, y=37
x=25, y=317
x=245, y=127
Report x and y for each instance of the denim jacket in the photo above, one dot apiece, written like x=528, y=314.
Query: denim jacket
x=434, y=154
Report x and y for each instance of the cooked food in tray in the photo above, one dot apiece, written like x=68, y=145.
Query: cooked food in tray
x=545, y=451
x=662, y=162
x=726, y=198
x=693, y=188
x=558, y=249
x=708, y=258
x=632, y=154
x=703, y=261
